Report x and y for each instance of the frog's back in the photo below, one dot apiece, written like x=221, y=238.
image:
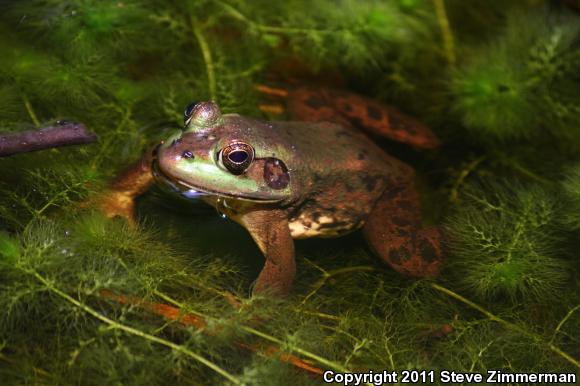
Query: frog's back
x=342, y=174
x=330, y=148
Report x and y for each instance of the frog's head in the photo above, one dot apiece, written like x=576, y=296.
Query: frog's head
x=224, y=155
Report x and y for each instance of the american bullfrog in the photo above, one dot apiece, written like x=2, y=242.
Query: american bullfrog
x=315, y=177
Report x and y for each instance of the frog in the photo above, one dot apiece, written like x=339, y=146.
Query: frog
x=317, y=175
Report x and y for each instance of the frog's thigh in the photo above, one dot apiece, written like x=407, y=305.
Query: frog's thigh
x=394, y=231
x=269, y=229
x=312, y=104
x=346, y=108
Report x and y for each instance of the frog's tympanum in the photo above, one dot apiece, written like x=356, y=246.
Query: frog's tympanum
x=318, y=177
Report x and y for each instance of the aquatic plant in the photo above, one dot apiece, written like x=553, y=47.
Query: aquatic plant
x=90, y=300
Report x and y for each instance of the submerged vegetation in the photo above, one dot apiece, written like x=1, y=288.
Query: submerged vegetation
x=88, y=300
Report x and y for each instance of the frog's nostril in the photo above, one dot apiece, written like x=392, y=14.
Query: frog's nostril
x=187, y=154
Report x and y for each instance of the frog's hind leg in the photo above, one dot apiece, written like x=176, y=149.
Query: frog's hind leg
x=394, y=231
x=316, y=104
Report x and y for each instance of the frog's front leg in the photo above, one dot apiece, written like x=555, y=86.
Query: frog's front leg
x=119, y=199
x=269, y=229
x=394, y=230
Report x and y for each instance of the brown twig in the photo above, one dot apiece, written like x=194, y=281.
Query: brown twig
x=188, y=319
x=61, y=134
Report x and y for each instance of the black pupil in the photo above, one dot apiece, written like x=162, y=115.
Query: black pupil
x=187, y=154
x=189, y=109
x=238, y=156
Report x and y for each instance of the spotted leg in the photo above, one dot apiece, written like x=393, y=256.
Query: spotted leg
x=319, y=104
x=394, y=230
x=269, y=229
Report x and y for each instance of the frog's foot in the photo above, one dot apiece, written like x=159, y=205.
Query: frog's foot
x=119, y=199
x=394, y=231
x=112, y=204
x=316, y=104
x=118, y=204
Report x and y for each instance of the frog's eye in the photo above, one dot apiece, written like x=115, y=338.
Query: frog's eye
x=236, y=157
x=188, y=112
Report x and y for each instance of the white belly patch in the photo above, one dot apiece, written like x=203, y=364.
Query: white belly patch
x=304, y=227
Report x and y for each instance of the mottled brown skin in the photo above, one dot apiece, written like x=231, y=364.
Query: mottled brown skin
x=314, y=180
x=393, y=229
x=309, y=104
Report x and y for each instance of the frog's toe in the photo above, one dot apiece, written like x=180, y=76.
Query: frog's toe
x=263, y=287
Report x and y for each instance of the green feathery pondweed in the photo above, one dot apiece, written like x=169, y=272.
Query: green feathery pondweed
x=506, y=242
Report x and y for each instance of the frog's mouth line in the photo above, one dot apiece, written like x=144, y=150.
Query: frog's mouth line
x=190, y=190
